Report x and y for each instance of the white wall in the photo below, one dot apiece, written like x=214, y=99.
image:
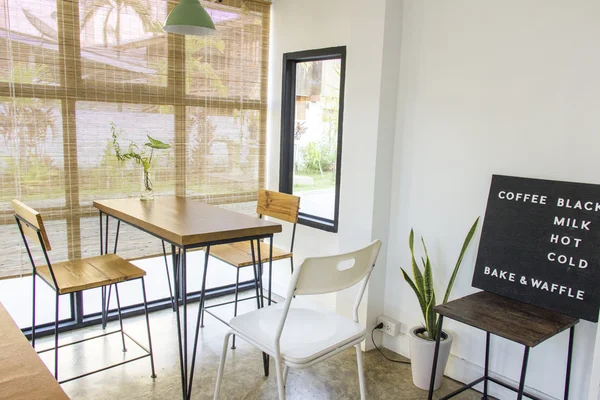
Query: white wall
x=369, y=123
x=509, y=87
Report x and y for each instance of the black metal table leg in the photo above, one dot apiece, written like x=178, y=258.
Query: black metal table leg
x=117, y=236
x=103, y=290
x=106, y=236
x=182, y=358
x=487, y=363
x=260, y=274
x=270, y=267
x=255, y=270
x=235, y=302
x=101, y=240
x=569, y=359
x=523, y=374
x=435, y=357
x=199, y=321
x=185, y=319
x=168, y=276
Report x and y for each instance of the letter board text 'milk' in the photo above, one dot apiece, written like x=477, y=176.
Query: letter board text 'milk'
x=540, y=244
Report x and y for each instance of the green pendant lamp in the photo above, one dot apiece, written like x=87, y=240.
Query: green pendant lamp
x=190, y=18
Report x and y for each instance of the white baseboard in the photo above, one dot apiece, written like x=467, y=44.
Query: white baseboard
x=465, y=371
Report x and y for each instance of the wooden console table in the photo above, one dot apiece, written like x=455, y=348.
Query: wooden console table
x=23, y=375
x=514, y=320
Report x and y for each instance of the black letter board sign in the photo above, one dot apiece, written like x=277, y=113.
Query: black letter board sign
x=540, y=244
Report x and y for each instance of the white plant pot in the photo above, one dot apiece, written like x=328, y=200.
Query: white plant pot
x=421, y=358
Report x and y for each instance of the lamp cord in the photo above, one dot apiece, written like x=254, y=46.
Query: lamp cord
x=381, y=352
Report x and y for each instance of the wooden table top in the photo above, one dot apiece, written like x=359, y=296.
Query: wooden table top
x=514, y=320
x=186, y=222
x=23, y=375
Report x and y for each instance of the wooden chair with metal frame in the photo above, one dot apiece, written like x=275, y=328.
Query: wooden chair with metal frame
x=281, y=206
x=73, y=276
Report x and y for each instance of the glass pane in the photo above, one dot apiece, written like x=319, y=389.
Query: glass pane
x=28, y=42
x=123, y=42
x=101, y=175
x=15, y=295
x=223, y=152
x=316, y=136
x=31, y=155
x=228, y=64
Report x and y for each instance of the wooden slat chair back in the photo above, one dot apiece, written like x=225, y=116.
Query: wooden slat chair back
x=282, y=206
x=33, y=223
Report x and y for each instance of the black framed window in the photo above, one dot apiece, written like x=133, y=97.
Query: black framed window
x=311, y=133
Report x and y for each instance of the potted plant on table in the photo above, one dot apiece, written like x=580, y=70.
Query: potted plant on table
x=422, y=338
x=140, y=156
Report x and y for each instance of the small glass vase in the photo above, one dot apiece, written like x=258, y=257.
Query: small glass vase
x=146, y=192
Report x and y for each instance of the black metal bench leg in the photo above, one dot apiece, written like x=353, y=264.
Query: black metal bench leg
x=435, y=357
x=487, y=364
x=523, y=374
x=569, y=358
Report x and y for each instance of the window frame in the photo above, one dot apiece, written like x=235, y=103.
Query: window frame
x=288, y=117
x=69, y=91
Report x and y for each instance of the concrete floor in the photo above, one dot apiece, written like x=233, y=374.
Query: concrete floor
x=333, y=379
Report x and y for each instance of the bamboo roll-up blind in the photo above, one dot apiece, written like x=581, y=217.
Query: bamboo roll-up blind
x=70, y=68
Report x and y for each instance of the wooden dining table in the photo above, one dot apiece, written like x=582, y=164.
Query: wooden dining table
x=187, y=224
x=23, y=375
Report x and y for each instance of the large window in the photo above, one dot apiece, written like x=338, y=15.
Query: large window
x=70, y=68
x=311, y=133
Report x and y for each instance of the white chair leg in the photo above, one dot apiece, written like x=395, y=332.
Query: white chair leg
x=280, y=381
x=286, y=369
x=361, y=373
x=222, y=365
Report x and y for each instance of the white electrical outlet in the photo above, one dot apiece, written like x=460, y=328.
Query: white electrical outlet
x=390, y=325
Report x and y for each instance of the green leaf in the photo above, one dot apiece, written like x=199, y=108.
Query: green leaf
x=157, y=144
x=419, y=295
x=430, y=320
x=460, y=258
x=428, y=281
x=416, y=271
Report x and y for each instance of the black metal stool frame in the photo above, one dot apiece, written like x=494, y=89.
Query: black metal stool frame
x=148, y=351
x=486, y=377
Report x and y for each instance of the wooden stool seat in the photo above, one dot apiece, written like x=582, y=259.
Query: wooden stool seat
x=519, y=322
x=240, y=254
x=511, y=319
x=88, y=273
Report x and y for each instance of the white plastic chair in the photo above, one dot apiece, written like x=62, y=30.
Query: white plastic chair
x=302, y=335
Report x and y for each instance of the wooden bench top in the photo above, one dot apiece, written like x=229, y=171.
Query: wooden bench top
x=23, y=375
x=511, y=319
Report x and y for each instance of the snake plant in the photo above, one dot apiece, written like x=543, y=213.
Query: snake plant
x=423, y=282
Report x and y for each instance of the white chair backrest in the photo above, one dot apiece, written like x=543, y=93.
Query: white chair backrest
x=320, y=275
